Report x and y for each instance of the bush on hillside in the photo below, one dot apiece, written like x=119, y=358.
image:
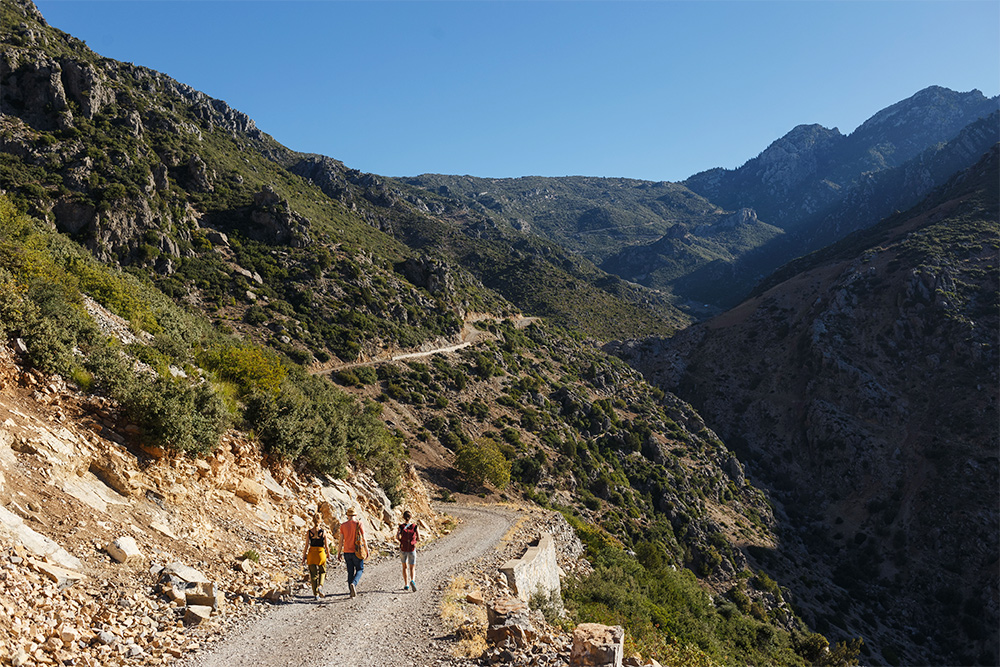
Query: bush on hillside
x=251, y=368
x=482, y=460
x=297, y=416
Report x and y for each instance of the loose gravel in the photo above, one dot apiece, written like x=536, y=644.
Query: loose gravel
x=384, y=626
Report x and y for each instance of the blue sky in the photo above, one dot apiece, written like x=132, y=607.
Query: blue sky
x=650, y=90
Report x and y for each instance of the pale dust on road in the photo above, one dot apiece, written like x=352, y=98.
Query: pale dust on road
x=384, y=626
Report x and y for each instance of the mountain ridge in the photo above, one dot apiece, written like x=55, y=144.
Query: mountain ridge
x=814, y=184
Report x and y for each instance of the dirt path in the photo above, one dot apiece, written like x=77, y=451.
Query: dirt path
x=469, y=336
x=384, y=626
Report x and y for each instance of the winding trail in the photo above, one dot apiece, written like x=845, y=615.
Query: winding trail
x=384, y=626
x=469, y=336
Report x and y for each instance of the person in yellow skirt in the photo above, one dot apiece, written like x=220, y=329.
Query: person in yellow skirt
x=314, y=555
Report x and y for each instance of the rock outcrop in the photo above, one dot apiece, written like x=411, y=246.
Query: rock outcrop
x=596, y=645
x=273, y=220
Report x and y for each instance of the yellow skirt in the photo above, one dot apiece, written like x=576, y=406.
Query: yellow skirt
x=316, y=556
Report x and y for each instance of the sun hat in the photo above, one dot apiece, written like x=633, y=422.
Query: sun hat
x=350, y=511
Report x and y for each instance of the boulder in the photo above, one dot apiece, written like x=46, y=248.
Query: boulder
x=182, y=572
x=176, y=594
x=251, y=491
x=201, y=594
x=596, y=645
x=503, y=609
x=508, y=619
x=195, y=614
x=124, y=549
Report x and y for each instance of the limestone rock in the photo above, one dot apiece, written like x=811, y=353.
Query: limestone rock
x=183, y=573
x=201, y=594
x=251, y=491
x=62, y=576
x=275, y=222
x=13, y=528
x=199, y=174
x=196, y=614
x=509, y=619
x=113, y=471
x=596, y=645
x=124, y=549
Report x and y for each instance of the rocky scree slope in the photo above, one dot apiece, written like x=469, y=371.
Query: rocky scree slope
x=862, y=391
x=75, y=479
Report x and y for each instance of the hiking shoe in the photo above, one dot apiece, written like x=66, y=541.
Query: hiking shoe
x=413, y=586
x=354, y=591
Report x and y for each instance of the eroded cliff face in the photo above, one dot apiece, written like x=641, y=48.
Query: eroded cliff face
x=863, y=392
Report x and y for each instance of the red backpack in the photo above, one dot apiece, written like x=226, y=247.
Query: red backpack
x=407, y=537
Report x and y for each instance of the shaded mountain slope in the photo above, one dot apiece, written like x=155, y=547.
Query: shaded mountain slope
x=812, y=167
x=807, y=189
x=862, y=389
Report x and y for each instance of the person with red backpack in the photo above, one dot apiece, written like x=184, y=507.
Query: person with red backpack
x=408, y=537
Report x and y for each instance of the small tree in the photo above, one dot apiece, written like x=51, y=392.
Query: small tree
x=482, y=461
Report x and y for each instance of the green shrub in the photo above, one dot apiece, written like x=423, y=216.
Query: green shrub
x=482, y=460
x=252, y=368
x=176, y=415
x=280, y=419
x=255, y=316
x=366, y=375
x=348, y=378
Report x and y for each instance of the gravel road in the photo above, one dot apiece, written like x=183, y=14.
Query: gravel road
x=384, y=626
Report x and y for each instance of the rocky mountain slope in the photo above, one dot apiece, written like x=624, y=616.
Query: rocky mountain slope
x=237, y=266
x=90, y=517
x=807, y=189
x=861, y=388
x=812, y=167
x=147, y=172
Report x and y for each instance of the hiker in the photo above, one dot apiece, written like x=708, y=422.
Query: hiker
x=352, y=549
x=315, y=553
x=408, y=537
